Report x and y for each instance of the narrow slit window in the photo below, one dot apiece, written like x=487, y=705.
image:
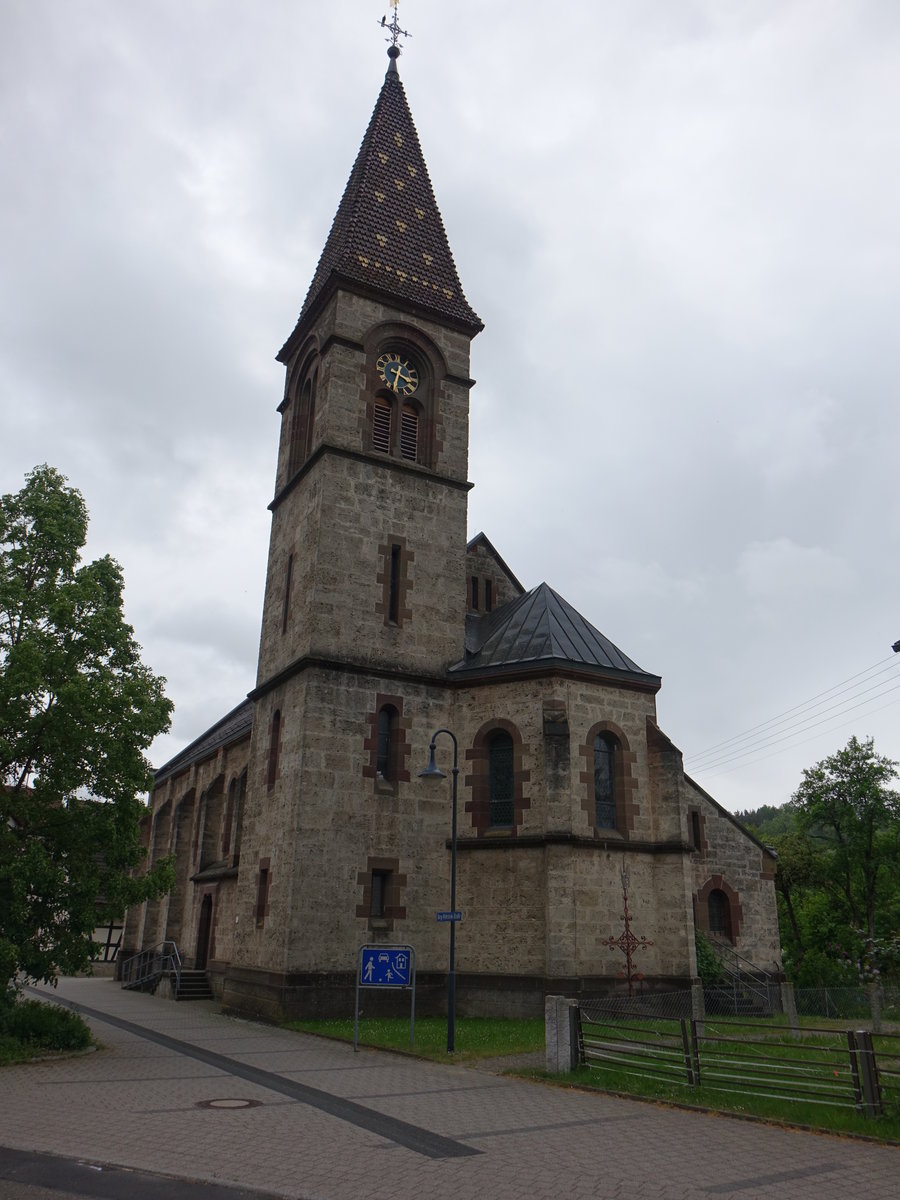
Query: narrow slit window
x=380, y=883
x=387, y=738
x=394, y=586
x=286, y=603
x=239, y=818
x=311, y=413
x=274, y=742
x=229, y=817
x=695, y=830
x=409, y=433
x=262, y=895
x=381, y=426
x=488, y=595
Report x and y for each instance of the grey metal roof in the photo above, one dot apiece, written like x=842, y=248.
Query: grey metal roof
x=541, y=629
x=231, y=728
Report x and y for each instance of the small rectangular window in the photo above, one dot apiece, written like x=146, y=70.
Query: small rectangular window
x=394, y=586
x=262, y=895
x=286, y=603
x=380, y=881
x=488, y=595
x=475, y=592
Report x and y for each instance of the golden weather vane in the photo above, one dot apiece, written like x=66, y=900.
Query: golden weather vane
x=393, y=27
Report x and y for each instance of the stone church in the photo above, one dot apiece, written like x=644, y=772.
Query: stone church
x=300, y=827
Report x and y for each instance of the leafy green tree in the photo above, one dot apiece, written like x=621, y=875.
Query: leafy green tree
x=850, y=820
x=797, y=879
x=77, y=711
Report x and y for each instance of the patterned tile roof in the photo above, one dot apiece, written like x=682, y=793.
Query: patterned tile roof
x=231, y=728
x=541, y=629
x=388, y=234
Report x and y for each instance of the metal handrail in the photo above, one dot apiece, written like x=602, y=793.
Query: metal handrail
x=752, y=979
x=727, y=949
x=150, y=965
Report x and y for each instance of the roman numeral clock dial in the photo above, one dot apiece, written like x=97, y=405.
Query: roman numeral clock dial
x=400, y=376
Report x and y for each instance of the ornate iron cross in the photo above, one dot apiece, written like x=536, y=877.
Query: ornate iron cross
x=627, y=942
x=393, y=26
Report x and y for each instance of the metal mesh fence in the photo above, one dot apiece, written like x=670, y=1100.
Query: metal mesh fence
x=845, y=1004
x=665, y=1005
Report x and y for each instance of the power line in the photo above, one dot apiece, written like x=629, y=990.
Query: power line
x=736, y=750
x=754, y=750
x=728, y=770
x=811, y=703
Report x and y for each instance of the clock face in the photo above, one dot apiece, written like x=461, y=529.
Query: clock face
x=400, y=376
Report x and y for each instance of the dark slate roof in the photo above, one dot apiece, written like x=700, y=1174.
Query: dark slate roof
x=232, y=727
x=541, y=629
x=388, y=234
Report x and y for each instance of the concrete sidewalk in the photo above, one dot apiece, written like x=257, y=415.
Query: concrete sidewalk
x=180, y=1090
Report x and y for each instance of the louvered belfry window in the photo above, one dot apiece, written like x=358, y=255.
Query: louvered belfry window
x=381, y=426
x=409, y=433
x=500, y=779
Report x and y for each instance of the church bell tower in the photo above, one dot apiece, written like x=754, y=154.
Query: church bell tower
x=369, y=512
x=365, y=600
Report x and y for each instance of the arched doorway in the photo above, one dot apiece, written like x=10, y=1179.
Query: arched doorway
x=203, y=932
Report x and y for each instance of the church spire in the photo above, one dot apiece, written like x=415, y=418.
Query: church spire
x=387, y=237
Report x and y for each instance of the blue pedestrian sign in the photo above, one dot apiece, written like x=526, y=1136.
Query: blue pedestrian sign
x=384, y=966
x=387, y=967
x=456, y=915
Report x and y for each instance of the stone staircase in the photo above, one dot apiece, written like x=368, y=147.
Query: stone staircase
x=745, y=989
x=192, y=985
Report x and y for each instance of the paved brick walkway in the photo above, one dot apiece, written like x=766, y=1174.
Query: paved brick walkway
x=327, y=1124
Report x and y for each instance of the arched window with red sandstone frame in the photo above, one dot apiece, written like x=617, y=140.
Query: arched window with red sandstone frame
x=718, y=910
x=610, y=787
x=498, y=801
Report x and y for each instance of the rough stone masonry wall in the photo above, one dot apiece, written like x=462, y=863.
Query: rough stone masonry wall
x=351, y=821
x=269, y=828
x=579, y=886
x=342, y=513
x=182, y=824
x=730, y=859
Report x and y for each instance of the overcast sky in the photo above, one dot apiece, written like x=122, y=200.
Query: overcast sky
x=679, y=223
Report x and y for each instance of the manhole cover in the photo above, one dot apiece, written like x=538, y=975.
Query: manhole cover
x=229, y=1103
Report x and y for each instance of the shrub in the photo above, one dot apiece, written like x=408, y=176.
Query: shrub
x=37, y=1027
